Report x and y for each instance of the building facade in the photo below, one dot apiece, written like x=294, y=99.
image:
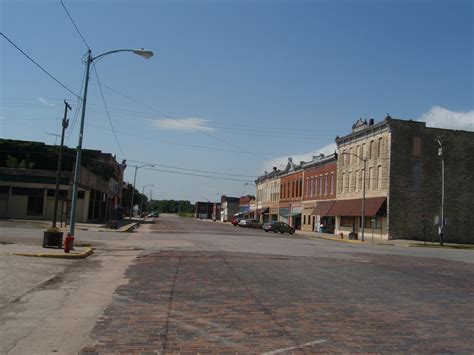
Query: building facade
x=268, y=196
x=291, y=194
x=400, y=164
x=27, y=189
x=229, y=207
x=319, y=193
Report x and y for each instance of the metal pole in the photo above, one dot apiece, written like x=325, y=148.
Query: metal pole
x=141, y=201
x=65, y=123
x=363, y=200
x=441, y=240
x=133, y=193
x=77, y=168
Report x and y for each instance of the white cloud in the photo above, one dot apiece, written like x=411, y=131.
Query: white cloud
x=281, y=162
x=183, y=124
x=440, y=117
x=45, y=102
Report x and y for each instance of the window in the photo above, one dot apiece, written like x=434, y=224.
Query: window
x=416, y=147
x=332, y=183
x=304, y=219
x=62, y=193
x=312, y=187
x=371, y=222
x=306, y=189
x=326, y=184
x=379, y=148
x=416, y=172
x=25, y=191
x=369, y=179
x=379, y=177
x=371, y=148
x=347, y=221
x=349, y=157
x=35, y=206
x=363, y=151
x=357, y=180
x=349, y=181
x=301, y=187
x=4, y=189
x=80, y=194
x=320, y=184
x=343, y=181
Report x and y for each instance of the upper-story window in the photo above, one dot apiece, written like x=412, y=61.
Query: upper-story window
x=362, y=153
x=379, y=148
x=326, y=184
x=371, y=149
x=349, y=156
x=332, y=183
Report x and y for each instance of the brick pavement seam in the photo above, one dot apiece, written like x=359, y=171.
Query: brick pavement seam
x=260, y=304
x=170, y=307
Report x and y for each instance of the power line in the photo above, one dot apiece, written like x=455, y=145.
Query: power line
x=39, y=66
x=108, y=114
x=77, y=29
x=78, y=105
x=199, y=175
x=195, y=170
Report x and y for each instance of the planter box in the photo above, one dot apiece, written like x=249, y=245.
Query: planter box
x=53, y=239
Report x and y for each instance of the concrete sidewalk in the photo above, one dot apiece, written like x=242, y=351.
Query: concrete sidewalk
x=38, y=251
x=378, y=241
x=124, y=225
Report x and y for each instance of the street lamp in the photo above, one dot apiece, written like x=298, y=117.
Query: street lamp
x=77, y=168
x=141, y=200
x=363, y=190
x=133, y=189
x=207, y=208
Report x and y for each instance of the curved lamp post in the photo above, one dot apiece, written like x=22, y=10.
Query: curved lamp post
x=141, y=52
x=363, y=189
x=133, y=189
x=141, y=199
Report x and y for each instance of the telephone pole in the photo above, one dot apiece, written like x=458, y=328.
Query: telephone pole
x=65, y=124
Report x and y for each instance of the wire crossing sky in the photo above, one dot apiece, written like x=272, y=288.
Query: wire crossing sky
x=234, y=88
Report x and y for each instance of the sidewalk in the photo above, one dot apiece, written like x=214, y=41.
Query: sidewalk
x=38, y=251
x=124, y=225
x=386, y=242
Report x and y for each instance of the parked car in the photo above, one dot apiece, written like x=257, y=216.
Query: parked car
x=244, y=223
x=153, y=214
x=235, y=221
x=255, y=224
x=276, y=227
x=251, y=223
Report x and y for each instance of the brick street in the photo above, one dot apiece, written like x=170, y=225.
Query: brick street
x=220, y=302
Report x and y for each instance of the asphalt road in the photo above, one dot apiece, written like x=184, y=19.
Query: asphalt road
x=187, y=286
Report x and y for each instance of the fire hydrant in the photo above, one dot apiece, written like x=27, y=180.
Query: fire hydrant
x=68, y=243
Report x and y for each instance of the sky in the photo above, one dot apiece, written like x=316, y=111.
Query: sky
x=234, y=87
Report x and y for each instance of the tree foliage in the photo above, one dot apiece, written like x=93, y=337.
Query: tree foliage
x=172, y=206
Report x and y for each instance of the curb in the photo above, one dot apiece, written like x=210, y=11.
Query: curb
x=84, y=254
x=346, y=240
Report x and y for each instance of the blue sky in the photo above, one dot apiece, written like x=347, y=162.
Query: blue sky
x=235, y=87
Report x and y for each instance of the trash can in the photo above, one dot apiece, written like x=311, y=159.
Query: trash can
x=353, y=236
x=53, y=239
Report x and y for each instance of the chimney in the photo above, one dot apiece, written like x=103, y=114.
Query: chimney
x=301, y=162
x=371, y=122
x=274, y=169
x=290, y=159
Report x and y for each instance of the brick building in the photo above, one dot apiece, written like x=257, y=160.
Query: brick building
x=319, y=193
x=291, y=194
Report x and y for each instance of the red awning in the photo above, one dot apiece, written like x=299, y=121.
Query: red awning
x=373, y=206
x=323, y=208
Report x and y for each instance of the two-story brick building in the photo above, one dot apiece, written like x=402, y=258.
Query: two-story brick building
x=291, y=194
x=268, y=196
x=319, y=193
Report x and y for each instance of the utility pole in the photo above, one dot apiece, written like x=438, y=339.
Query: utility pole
x=65, y=124
x=441, y=223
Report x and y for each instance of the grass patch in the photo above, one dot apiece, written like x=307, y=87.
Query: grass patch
x=185, y=214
